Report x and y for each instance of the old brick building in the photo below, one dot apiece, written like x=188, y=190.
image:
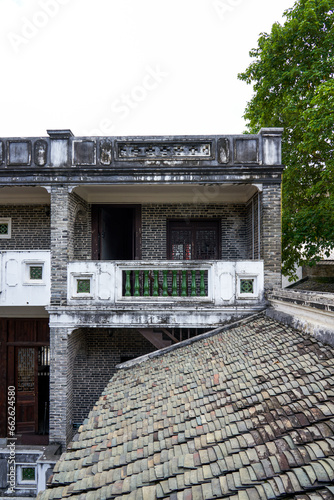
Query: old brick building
x=113, y=247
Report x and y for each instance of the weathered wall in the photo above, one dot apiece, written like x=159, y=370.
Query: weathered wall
x=100, y=351
x=70, y=237
x=233, y=227
x=30, y=227
x=321, y=270
x=81, y=228
x=310, y=312
x=252, y=228
x=271, y=234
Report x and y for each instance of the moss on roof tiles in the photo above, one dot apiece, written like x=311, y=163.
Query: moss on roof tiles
x=247, y=413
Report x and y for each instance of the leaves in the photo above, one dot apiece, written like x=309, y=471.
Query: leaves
x=292, y=76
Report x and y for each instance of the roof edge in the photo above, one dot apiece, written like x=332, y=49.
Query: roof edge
x=160, y=352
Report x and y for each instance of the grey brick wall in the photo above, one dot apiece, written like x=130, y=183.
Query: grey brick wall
x=70, y=237
x=233, y=227
x=60, y=243
x=100, y=351
x=30, y=227
x=80, y=245
x=271, y=234
x=64, y=346
x=252, y=224
x=82, y=363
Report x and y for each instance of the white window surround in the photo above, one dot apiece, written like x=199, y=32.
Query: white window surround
x=74, y=286
x=27, y=280
x=255, y=293
x=8, y=221
x=27, y=483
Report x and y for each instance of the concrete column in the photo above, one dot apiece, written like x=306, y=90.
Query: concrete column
x=271, y=234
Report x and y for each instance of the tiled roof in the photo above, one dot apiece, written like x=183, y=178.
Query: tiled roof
x=315, y=285
x=246, y=414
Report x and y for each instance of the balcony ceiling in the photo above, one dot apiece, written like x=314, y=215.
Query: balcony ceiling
x=21, y=195
x=187, y=193
x=139, y=193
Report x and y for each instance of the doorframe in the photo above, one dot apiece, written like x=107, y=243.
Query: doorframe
x=97, y=222
x=7, y=359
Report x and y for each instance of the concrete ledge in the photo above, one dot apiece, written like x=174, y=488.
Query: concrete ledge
x=310, y=312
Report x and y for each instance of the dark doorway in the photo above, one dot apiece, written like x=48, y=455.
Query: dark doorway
x=116, y=232
x=26, y=345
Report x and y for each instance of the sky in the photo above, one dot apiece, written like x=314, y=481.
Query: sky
x=128, y=67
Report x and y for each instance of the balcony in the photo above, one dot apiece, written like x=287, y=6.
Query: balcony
x=176, y=283
x=25, y=278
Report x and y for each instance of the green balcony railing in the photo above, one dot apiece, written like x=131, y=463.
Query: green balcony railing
x=165, y=283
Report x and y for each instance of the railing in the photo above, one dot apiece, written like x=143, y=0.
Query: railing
x=25, y=278
x=165, y=283
x=114, y=282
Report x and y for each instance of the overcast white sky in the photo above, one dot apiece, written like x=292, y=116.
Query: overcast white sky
x=128, y=67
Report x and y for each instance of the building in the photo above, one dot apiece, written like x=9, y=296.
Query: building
x=112, y=247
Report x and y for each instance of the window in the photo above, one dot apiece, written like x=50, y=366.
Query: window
x=26, y=475
x=34, y=273
x=5, y=228
x=193, y=240
x=82, y=286
x=247, y=287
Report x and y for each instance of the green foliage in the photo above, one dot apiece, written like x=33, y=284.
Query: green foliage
x=292, y=75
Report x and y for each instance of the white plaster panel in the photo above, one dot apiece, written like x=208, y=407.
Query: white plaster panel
x=226, y=286
x=11, y=273
x=59, y=152
x=104, y=286
x=17, y=290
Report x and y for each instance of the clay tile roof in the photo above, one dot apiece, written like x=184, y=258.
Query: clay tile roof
x=245, y=414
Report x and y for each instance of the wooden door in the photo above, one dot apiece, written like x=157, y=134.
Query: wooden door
x=24, y=364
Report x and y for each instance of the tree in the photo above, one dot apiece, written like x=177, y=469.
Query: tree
x=292, y=76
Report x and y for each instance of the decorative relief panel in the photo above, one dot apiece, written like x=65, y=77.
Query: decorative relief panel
x=84, y=152
x=19, y=152
x=105, y=152
x=40, y=152
x=223, y=150
x=158, y=150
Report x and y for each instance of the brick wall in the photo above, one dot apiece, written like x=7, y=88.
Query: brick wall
x=271, y=234
x=80, y=228
x=63, y=351
x=233, y=227
x=30, y=227
x=100, y=351
x=252, y=224
x=68, y=213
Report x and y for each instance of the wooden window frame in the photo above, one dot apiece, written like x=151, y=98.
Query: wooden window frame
x=193, y=224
